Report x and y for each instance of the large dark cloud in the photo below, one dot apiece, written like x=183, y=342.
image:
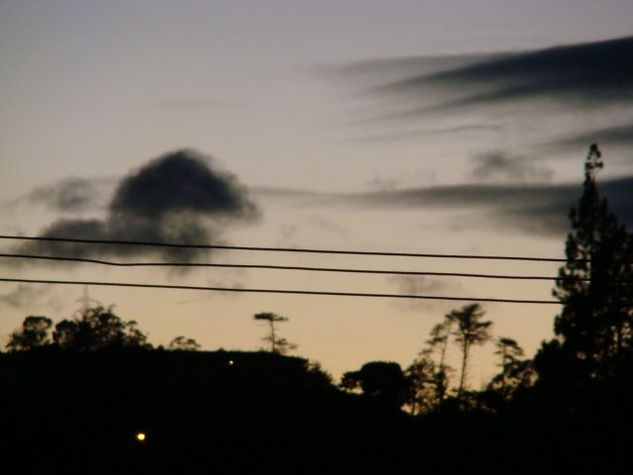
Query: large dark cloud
x=179, y=182
x=180, y=197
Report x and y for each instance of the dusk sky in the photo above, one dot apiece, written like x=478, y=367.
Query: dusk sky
x=454, y=127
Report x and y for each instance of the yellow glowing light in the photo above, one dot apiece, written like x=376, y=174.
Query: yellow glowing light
x=231, y=362
x=140, y=437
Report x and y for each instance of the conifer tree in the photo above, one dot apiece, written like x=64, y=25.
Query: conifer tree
x=594, y=326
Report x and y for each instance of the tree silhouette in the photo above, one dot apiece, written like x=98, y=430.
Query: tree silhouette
x=440, y=335
x=277, y=344
x=97, y=328
x=508, y=351
x=34, y=333
x=594, y=328
x=427, y=384
x=515, y=372
x=430, y=378
x=383, y=381
x=470, y=331
x=181, y=343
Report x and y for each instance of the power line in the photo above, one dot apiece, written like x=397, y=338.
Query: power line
x=281, y=291
x=277, y=267
x=284, y=249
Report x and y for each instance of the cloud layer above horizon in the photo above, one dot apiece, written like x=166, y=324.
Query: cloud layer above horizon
x=532, y=208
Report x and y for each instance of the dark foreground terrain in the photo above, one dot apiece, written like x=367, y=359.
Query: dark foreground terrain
x=239, y=412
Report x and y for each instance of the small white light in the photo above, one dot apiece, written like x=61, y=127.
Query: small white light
x=141, y=437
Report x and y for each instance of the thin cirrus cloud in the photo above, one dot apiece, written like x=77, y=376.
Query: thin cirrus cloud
x=589, y=73
x=607, y=136
x=548, y=97
x=510, y=194
x=179, y=197
x=533, y=208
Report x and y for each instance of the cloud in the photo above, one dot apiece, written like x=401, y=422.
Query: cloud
x=621, y=135
x=180, y=197
x=377, y=72
x=536, y=209
x=22, y=296
x=177, y=182
x=416, y=134
x=500, y=167
x=384, y=183
x=402, y=180
x=69, y=195
x=529, y=208
x=94, y=229
x=421, y=285
x=589, y=73
x=529, y=99
x=25, y=296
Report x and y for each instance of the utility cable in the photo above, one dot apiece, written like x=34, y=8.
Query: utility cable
x=280, y=291
x=277, y=267
x=283, y=249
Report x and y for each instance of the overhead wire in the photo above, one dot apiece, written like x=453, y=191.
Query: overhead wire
x=279, y=267
x=281, y=291
x=276, y=267
x=282, y=249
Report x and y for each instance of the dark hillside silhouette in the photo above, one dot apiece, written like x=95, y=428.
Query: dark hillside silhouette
x=201, y=412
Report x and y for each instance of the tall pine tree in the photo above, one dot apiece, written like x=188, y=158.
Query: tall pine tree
x=594, y=327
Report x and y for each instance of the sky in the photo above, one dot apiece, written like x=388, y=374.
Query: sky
x=453, y=127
